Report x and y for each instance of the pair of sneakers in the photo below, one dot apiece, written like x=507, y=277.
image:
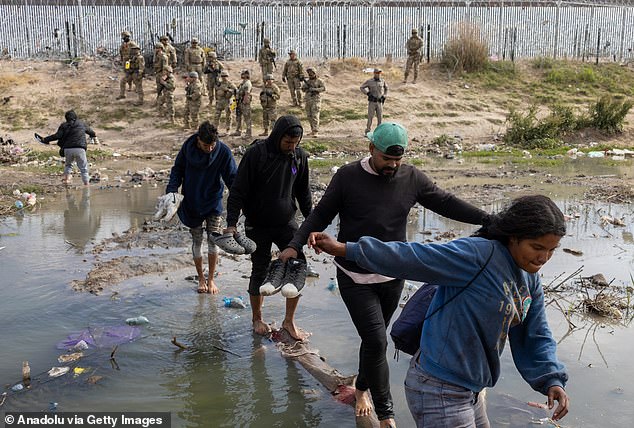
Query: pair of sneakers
x=237, y=243
x=288, y=277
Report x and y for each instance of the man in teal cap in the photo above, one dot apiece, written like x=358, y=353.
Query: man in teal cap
x=373, y=197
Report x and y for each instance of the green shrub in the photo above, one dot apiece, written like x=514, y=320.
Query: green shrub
x=543, y=63
x=466, y=52
x=314, y=147
x=608, y=114
x=528, y=132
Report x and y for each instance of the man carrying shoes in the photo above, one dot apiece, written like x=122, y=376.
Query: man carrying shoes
x=373, y=197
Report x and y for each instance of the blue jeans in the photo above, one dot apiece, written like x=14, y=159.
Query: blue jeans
x=438, y=404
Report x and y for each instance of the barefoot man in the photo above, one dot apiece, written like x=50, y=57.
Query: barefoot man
x=203, y=166
x=373, y=197
x=272, y=176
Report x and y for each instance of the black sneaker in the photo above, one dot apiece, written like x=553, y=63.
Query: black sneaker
x=273, y=281
x=294, y=279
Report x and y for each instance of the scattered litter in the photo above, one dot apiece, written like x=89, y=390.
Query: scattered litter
x=140, y=320
x=94, y=379
x=17, y=387
x=606, y=219
x=595, y=154
x=67, y=358
x=332, y=285
x=19, y=205
x=80, y=346
x=52, y=406
x=58, y=371
x=101, y=337
x=311, y=272
x=234, y=302
x=78, y=370
x=486, y=147
x=573, y=251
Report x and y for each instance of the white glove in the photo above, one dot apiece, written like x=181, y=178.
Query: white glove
x=94, y=140
x=167, y=206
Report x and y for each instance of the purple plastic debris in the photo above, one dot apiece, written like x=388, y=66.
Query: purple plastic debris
x=101, y=337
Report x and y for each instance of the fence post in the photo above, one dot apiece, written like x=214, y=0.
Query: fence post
x=622, y=34
x=338, y=41
x=344, y=41
x=557, y=23
x=70, y=55
x=428, y=42
x=598, y=45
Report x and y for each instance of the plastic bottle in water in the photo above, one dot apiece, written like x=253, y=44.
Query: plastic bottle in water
x=332, y=285
x=141, y=320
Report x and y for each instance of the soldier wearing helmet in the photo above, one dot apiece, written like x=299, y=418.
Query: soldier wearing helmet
x=293, y=75
x=313, y=87
x=134, y=70
x=169, y=50
x=266, y=58
x=414, y=46
x=159, y=62
x=268, y=99
x=166, y=97
x=376, y=91
x=225, y=91
x=124, y=51
x=195, y=60
x=213, y=70
x=243, y=104
x=193, y=95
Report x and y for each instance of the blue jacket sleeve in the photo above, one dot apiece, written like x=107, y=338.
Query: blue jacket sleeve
x=177, y=173
x=229, y=170
x=534, y=349
x=452, y=264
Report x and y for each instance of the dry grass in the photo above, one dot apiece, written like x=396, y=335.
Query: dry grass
x=467, y=52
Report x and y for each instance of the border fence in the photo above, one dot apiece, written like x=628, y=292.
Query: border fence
x=318, y=29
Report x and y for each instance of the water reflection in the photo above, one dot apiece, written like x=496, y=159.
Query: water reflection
x=80, y=224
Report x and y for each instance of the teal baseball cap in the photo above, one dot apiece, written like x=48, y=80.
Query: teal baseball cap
x=390, y=138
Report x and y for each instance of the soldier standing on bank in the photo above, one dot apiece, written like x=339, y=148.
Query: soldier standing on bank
x=266, y=58
x=213, y=70
x=293, y=75
x=313, y=87
x=193, y=95
x=414, y=46
x=243, y=107
x=124, y=52
x=376, y=90
x=170, y=51
x=167, y=93
x=159, y=63
x=135, y=67
x=195, y=60
x=224, y=92
x=268, y=99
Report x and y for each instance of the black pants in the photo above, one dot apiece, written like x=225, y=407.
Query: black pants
x=371, y=307
x=264, y=238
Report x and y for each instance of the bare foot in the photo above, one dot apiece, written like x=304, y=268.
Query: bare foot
x=261, y=328
x=387, y=423
x=295, y=332
x=202, y=286
x=211, y=287
x=363, y=405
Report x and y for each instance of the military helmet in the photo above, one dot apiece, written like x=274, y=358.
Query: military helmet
x=414, y=31
x=292, y=52
x=194, y=40
x=245, y=71
x=266, y=41
x=126, y=34
x=378, y=70
x=309, y=69
x=224, y=73
x=159, y=46
x=212, y=54
x=164, y=38
x=133, y=45
x=193, y=74
x=168, y=68
x=269, y=77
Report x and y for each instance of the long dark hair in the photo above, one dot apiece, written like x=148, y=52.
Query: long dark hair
x=527, y=217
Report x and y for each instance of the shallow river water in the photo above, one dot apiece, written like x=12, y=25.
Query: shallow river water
x=208, y=387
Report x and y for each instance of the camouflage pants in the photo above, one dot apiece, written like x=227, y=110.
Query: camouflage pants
x=266, y=69
x=269, y=116
x=167, y=99
x=159, y=87
x=295, y=87
x=412, y=61
x=244, y=112
x=374, y=108
x=129, y=78
x=222, y=105
x=313, y=107
x=212, y=83
x=191, y=111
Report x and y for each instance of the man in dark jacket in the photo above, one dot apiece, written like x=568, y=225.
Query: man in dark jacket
x=72, y=142
x=373, y=197
x=272, y=177
x=203, y=166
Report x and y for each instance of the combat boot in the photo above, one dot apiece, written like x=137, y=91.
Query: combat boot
x=237, y=133
x=121, y=96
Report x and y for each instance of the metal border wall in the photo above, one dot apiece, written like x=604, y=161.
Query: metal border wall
x=320, y=30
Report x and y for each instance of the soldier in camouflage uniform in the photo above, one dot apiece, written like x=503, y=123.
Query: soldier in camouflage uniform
x=159, y=63
x=170, y=51
x=193, y=95
x=293, y=75
x=166, y=97
x=243, y=107
x=195, y=60
x=124, y=52
x=313, y=88
x=213, y=70
x=376, y=90
x=266, y=58
x=224, y=92
x=268, y=99
x=134, y=73
x=414, y=46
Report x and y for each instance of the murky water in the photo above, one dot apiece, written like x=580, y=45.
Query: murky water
x=47, y=249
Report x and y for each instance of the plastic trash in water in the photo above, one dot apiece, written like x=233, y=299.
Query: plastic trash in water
x=311, y=272
x=68, y=358
x=234, y=302
x=58, y=371
x=17, y=387
x=332, y=285
x=52, y=406
x=101, y=337
x=19, y=205
x=140, y=320
x=78, y=370
x=80, y=346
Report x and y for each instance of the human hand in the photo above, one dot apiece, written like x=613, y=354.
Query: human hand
x=288, y=253
x=558, y=393
x=322, y=242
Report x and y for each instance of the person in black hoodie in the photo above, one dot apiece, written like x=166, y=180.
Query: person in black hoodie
x=72, y=143
x=272, y=180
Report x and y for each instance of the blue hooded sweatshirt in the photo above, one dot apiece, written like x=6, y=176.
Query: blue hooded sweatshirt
x=462, y=342
x=203, y=177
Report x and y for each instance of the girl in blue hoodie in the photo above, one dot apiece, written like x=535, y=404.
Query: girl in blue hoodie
x=461, y=344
